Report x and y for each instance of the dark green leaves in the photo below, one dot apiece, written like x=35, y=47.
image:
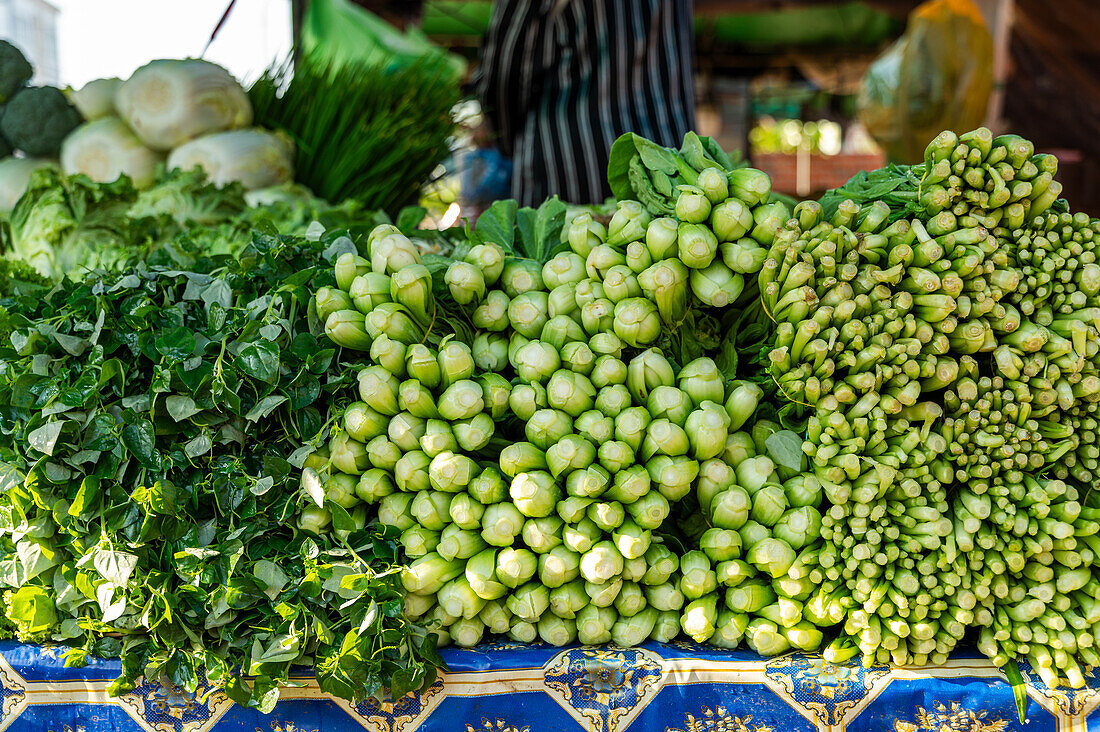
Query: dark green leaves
x=260, y=360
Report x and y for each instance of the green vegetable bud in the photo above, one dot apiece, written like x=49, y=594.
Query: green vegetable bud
x=574, y=508
x=798, y=527
x=774, y=556
x=488, y=487
x=583, y=233
x=769, y=219
x=647, y=371
x=615, y=455
x=456, y=362
x=547, y=426
x=715, y=476
x=702, y=381
x=661, y=565
x=730, y=508
x=521, y=457
x=734, y=571
x=457, y=543
x=570, y=393
x=672, y=476
x=379, y=388
x=496, y=617
x=389, y=354
x=347, y=455
x=405, y=431
x=744, y=256
x=419, y=541
x=392, y=253
x=696, y=246
x=634, y=569
x=620, y=283
x=411, y=472
x=752, y=533
x=607, y=516
x=630, y=601
x=340, y=489
x=649, y=511
x=698, y=578
x=601, y=259
x=716, y=285
x=557, y=631
x=466, y=512
x=631, y=540
x=730, y=629
x=394, y=321
x=570, y=453
x=667, y=627
x=542, y=534
x=437, y=438
x=803, y=490
x=751, y=186
x=598, y=316
x=631, y=426
x=638, y=258
x=501, y=524
x=489, y=259
x=525, y=399
x=396, y=510
x=461, y=400
x=497, y=393
x=753, y=473
x=370, y=290
x=606, y=344
x=750, y=596
x=666, y=283
x=565, y=268
x=363, y=423
x=535, y=493
x=474, y=434
x=490, y=351
x=562, y=300
x=383, y=453
x=730, y=220
x=578, y=358
x=481, y=573
x=594, y=624
x=558, y=566
x=768, y=504
x=348, y=267
x=764, y=638
x=537, y=361
x=720, y=545
x=412, y=287
x=346, y=328
x=608, y=370
x=629, y=223
x=432, y=509
x=374, y=485
x=714, y=183
x=520, y=276
x=664, y=437
x=492, y=313
x=664, y=597
x=561, y=330
x=588, y=291
x=591, y=482
x=706, y=427
x=329, y=300
x=700, y=618
x=422, y=364
x=522, y=631
x=743, y=398
x=660, y=238
x=603, y=594
x=581, y=536
x=529, y=602
x=568, y=600
x=527, y=313
x=692, y=205
x=465, y=282
x=637, y=321
x=451, y=472
x=739, y=448
x=429, y=573
x=668, y=402
x=630, y=484
x=602, y=563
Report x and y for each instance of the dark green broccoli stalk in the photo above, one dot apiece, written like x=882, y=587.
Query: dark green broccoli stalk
x=15, y=70
x=37, y=119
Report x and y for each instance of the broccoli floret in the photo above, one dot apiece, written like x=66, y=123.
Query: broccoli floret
x=15, y=70
x=37, y=119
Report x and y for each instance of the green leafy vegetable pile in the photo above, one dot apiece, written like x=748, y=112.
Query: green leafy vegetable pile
x=154, y=423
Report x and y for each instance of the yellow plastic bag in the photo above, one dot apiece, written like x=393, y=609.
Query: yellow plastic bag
x=937, y=76
x=343, y=31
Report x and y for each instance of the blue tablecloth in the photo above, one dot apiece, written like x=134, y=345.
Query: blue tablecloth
x=504, y=687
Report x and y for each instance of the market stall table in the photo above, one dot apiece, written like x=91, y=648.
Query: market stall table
x=507, y=687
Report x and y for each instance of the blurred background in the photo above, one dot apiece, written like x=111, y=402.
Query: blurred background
x=809, y=91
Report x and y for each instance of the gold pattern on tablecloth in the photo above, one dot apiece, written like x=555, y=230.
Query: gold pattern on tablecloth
x=494, y=725
x=952, y=718
x=719, y=720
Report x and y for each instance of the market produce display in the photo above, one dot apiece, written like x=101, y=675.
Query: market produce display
x=863, y=426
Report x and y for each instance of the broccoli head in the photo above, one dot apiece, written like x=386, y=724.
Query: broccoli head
x=15, y=70
x=37, y=119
